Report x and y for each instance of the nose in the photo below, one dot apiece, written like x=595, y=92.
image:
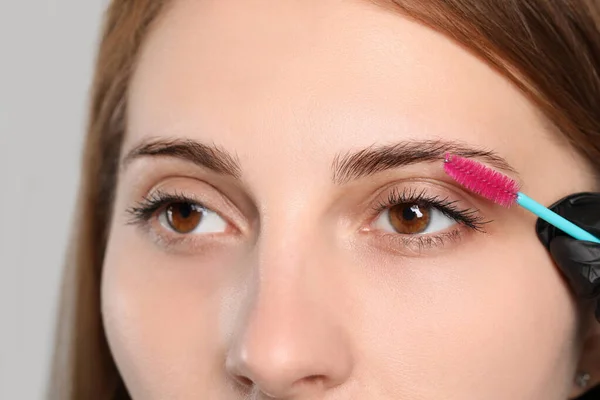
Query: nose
x=290, y=343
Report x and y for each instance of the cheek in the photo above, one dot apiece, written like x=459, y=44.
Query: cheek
x=485, y=318
x=161, y=313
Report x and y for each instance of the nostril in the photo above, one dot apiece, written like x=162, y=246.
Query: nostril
x=243, y=380
x=312, y=380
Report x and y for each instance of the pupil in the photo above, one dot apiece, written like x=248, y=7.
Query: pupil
x=408, y=213
x=185, y=210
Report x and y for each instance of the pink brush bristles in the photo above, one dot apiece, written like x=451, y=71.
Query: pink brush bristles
x=482, y=180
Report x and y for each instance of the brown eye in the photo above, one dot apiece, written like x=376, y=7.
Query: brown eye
x=410, y=218
x=184, y=217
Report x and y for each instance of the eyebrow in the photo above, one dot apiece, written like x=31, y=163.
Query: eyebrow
x=207, y=156
x=374, y=159
x=345, y=167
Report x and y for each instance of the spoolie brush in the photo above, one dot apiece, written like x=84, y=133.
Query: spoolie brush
x=504, y=191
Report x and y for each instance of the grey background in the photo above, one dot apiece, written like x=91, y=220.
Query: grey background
x=47, y=49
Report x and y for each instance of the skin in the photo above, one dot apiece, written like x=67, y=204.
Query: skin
x=305, y=295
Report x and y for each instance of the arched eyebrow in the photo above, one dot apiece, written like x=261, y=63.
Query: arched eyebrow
x=207, y=156
x=345, y=167
x=378, y=158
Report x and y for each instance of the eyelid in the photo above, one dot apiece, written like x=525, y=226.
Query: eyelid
x=191, y=190
x=183, y=243
x=440, y=197
x=416, y=244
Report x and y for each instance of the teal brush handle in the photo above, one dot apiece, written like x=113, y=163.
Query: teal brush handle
x=554, y=219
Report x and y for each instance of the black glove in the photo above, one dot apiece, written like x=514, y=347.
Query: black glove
x=578, y=260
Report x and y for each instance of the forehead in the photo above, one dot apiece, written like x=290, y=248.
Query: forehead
x=274, y=80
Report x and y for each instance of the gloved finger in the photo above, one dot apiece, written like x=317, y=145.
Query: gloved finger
x=583, y=209
x=579, y=261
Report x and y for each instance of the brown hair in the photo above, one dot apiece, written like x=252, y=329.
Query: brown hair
x=549, y=49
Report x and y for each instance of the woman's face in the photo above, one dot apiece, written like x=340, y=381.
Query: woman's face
x=283, y=227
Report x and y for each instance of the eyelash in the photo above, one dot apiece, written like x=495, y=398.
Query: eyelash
x=145, y=210
x=469, y=218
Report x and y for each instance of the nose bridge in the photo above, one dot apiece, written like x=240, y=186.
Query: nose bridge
x=289, y=340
